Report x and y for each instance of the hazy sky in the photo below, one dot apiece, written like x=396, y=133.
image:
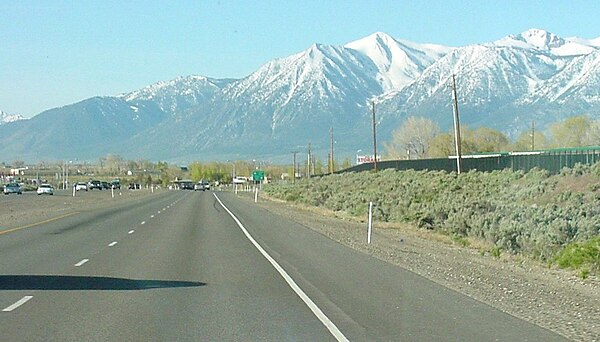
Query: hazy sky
x=54, y=53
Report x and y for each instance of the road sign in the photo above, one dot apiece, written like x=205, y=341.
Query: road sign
x=258, y=175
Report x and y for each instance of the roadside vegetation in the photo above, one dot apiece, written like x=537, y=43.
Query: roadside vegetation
x=553, y=219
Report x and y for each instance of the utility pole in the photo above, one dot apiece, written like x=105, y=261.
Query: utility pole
x=308, y=161
x=374, y=139
x=294, y=167
x=456, y=126
x=331, y=153
x=532, y=135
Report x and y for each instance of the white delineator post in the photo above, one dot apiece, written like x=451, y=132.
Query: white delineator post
x=112, y=191
x=74, y=190
x=370, y=224
x=255, y=195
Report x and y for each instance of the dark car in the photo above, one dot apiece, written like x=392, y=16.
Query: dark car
x=134, y=186
x=115, y=184
x=105, y=185
x=12, y=188
x=94, y=184
x=187, y=186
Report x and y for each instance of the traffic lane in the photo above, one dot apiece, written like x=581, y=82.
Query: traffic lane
x=229, y=292
x=29, y=208
x=41, y=257
x=50, y=245
x=370, y=299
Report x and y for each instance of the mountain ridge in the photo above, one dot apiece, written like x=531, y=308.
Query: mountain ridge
x=297, y=99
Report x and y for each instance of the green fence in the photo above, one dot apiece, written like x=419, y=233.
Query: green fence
x=551, y=160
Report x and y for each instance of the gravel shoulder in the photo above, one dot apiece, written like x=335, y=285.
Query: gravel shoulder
x=555, y=299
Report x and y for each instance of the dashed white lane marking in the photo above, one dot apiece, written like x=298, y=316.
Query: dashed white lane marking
x=131, y=231
x=81, y=262
x=17, y=304
x=143, y=222
x=112, y=243
x=151, y=216
x=333, y=329
x=158, y=212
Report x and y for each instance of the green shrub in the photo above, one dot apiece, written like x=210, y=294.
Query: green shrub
x=583, y=256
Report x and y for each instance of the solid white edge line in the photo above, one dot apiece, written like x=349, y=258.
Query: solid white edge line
x=112, y=243
x=333, y=329
x=18, y=303
x=81, y=262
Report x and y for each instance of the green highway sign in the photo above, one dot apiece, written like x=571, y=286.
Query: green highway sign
x=258, y=175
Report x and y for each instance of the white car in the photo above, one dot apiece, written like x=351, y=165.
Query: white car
x=45, y=189
x=81, y=186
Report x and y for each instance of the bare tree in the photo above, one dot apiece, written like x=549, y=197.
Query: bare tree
x=412, y=139
x=573, y=132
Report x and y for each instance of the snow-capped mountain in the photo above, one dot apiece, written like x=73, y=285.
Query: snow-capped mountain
x=290, y=101
x=505, y=84
x=399, y=62
x=6, y=118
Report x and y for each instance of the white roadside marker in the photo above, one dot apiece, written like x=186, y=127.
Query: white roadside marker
x=131, y=231
x=112, y=243
x=333, y=329
x=81, y=262
x=18, y=303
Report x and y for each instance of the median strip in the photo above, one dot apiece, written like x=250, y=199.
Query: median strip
x=37, y=223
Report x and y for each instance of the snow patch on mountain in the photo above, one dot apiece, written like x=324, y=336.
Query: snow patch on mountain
x=179, y=93
x=6, y=118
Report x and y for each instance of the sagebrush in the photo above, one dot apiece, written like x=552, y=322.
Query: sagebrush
x=531, y=213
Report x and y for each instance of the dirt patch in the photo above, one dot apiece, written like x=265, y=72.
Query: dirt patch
x=555, y=299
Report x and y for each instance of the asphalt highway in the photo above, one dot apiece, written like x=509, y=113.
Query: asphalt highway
x=204, y=266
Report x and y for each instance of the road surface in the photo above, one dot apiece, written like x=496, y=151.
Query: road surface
x=204, y=266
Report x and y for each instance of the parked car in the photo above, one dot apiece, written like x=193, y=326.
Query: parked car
x=134, y=186
x=199, y=187
x=105, y=185
x=81, y=186
x=45, y=189
x=12, y=188
x=115, y=184
x=94, y=184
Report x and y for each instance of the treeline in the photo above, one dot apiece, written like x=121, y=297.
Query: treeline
x=420, y=138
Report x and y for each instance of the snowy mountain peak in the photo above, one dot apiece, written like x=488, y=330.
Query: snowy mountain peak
x=547, y=42
x=541, y=39
x=399, y=62
x=6, y=118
